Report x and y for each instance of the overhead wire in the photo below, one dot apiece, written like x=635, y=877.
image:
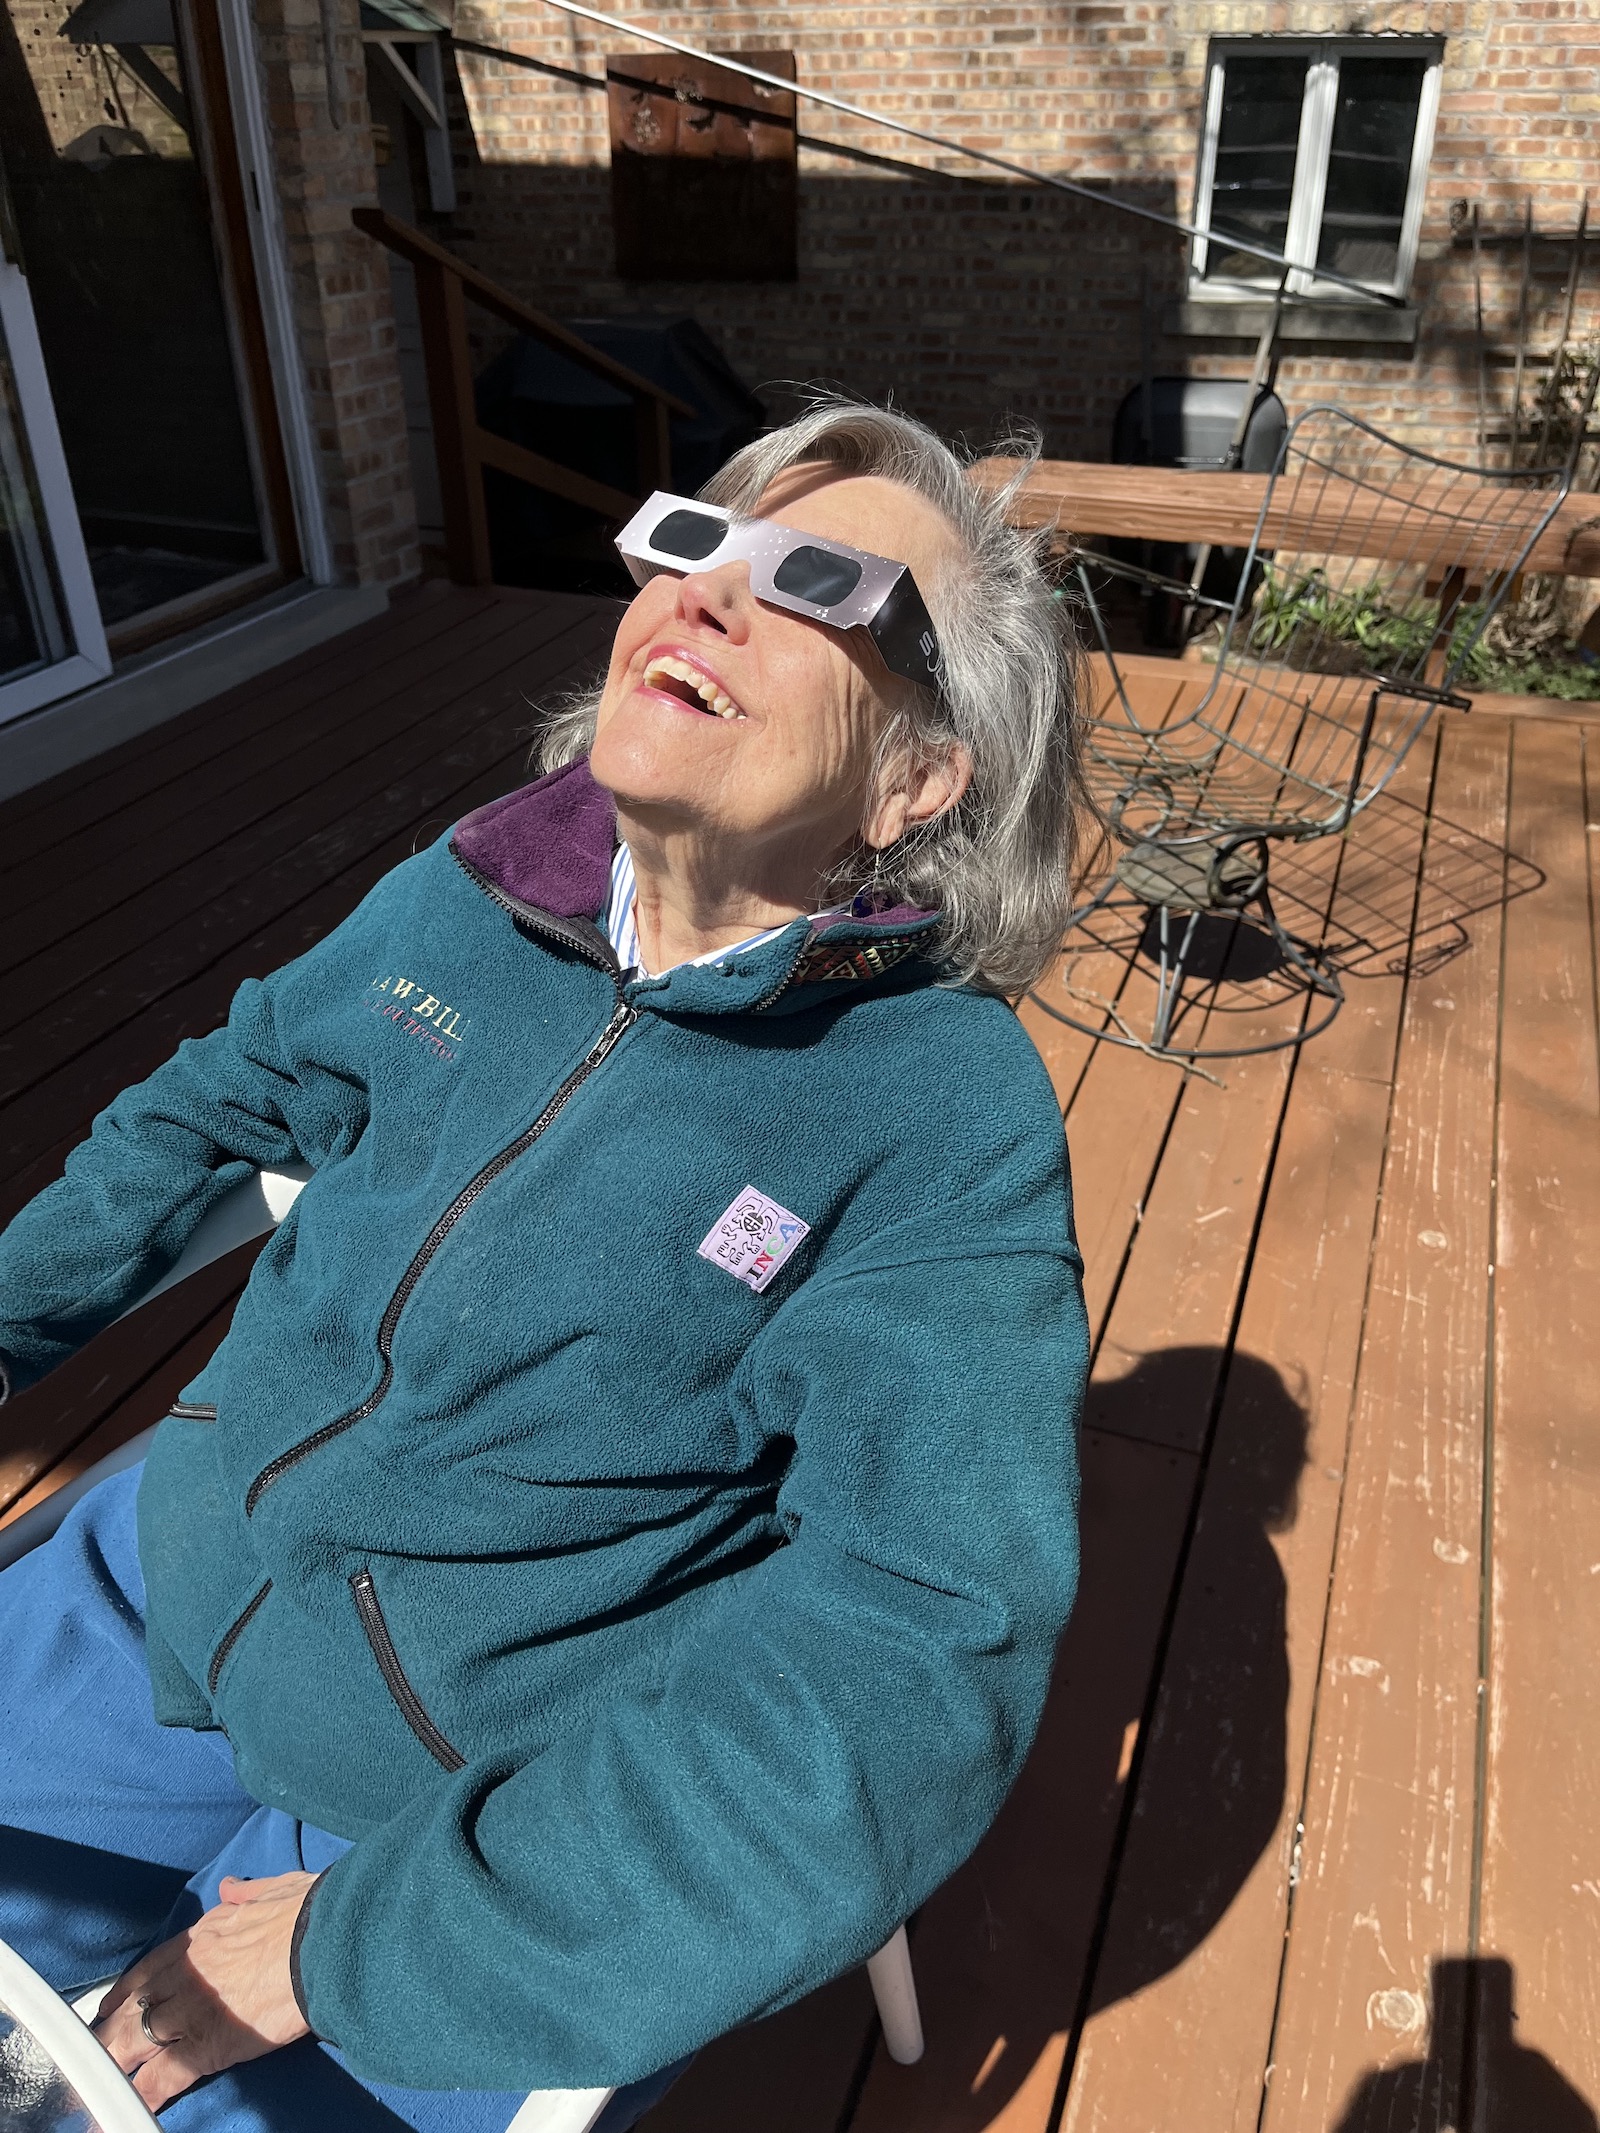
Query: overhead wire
x=735, y=65
x=577, y=79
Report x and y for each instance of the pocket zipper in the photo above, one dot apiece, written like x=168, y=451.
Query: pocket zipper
x=219, y=1657
x=394, y=1674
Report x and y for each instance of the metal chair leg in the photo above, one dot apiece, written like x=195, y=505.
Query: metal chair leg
x=1169, y=977
x=895, y=1990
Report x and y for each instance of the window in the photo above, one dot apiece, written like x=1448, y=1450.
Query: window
x=1319, y=148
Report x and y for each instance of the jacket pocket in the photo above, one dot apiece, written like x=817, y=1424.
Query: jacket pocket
x=224, y=1651
x=394, y=1674
x=193, y=1411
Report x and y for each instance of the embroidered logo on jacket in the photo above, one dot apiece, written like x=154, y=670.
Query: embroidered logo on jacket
x=852, y=964
x=419, y=1014
x=753, y=1238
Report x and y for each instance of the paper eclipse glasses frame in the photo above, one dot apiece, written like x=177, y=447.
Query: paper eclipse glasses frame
x=826, y=581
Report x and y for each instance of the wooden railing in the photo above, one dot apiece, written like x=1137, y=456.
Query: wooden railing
x=445, y=286
x=1154, y=503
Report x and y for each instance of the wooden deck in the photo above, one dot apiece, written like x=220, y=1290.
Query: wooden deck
x=1312, y=1814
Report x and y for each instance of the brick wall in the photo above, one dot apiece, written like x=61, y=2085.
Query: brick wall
x=1517, y=121
x=83, y=86
x=975, y=301
x=322, y=141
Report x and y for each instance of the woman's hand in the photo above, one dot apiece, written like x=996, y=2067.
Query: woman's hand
x=214, y=1996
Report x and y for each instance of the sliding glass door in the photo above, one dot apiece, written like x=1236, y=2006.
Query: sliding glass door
x=142, y=475
x=51, y=637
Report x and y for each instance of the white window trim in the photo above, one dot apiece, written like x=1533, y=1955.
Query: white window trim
x=424, y=95
x=85, y=658
x=270, y=251
x=1317, y=111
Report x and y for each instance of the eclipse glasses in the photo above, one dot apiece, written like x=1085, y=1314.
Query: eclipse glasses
x=823, y=580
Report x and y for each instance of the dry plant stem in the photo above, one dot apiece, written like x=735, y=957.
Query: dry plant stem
x=1086, y=998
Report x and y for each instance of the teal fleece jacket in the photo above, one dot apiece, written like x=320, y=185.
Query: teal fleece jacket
x=660, y=1597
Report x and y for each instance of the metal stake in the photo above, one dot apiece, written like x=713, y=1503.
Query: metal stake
x=1560, y=350
x=1483, y=349
x=1522, y=328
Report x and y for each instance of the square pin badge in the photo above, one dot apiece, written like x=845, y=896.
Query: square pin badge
x=753, y=1238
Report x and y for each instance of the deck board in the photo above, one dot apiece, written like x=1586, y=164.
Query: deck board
x=275, y=916
x=1121, y=1114
x=1386, y=1865
x=1248, y=1623
x=1003, y=1950
x=211, y=815
x=149, y=942
x=100, y=790
x=1540, y=1897
x=1262, y=1872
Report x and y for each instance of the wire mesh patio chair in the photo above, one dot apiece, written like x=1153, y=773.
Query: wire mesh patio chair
x=1372, y=575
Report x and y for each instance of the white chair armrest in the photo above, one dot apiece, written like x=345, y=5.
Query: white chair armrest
x=250, y=1210
x=560, y=2111
x=103, y=2088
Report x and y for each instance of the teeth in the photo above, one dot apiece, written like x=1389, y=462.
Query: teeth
x=716, y=701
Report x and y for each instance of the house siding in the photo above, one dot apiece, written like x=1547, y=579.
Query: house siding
x=975, y=302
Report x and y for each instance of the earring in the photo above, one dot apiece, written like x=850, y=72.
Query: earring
x=875, y=895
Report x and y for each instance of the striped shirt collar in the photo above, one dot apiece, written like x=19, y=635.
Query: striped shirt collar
x=620, y=922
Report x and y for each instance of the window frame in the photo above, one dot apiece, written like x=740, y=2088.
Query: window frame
x=57, y=537
x=1318, y=109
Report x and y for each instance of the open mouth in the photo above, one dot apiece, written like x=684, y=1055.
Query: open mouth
x=675, y=677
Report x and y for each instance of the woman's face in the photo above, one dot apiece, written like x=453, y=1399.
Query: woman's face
x=779, y=760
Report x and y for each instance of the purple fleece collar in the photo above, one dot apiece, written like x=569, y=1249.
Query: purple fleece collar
x=550, y=846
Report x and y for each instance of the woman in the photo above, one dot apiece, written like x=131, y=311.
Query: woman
x=609, y=1574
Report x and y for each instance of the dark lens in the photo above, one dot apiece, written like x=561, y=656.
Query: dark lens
x=690, y=534
x=813, y=574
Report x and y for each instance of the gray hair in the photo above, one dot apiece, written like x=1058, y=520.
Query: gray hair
x=1000, y=863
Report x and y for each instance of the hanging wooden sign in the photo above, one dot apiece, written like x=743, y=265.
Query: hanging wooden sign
x=703, y=170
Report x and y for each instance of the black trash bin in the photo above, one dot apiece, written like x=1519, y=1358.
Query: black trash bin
x=1190, y=423
x=542, y=400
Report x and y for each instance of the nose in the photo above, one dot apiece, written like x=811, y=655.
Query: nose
x=718, y=599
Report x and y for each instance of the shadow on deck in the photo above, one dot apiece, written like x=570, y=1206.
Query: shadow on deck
x=1307, y=1843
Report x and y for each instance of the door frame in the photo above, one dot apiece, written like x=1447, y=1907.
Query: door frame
x=224, y=37
x=89, y=659
x=233, y=146
x=219, y=52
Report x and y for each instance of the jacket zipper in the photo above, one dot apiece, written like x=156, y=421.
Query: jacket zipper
x=394, y=1674
x=585, y=940
x=219, y=1658
x=193, y=1411
x=623, y=1017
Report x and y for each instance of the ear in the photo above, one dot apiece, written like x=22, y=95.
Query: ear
x=919, y=794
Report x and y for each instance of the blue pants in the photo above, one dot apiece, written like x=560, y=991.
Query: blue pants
x=114, y=1833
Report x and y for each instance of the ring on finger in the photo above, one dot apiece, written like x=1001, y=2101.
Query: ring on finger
x=160, y=2043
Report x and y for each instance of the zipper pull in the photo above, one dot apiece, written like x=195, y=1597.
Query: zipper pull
x=623, y=1019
